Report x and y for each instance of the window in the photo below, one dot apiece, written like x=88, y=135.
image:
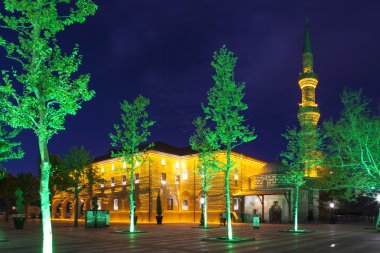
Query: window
x=115, y=204
x=124, y=179
x=177, y=179
x=236, y=174
x=102, y=169
x=99, y=203
x=163, y=178
x=170, y=204
x=112, y=181
x=177, y=165
x=163, y=162
x=185, y=204
x=113, y=167
x=137, y=178
x=124, y=165
x=102, y=183
x=184, y=175
x=236, y=204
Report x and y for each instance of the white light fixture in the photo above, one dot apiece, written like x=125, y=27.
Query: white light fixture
x=113, y=167
x=202, y=200
x=124, y=183
x=177, y=165
x=332, y=205
x=137, y=163
x=163, y=162
x=102, y=185
x=124, y=165
x=378, y=197
x=163, y=182
x=102, y=169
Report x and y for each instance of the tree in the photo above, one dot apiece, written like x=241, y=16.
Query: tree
x=42, y=88
x=28, y=183
x=224, y=108
x=304, y=152
x=133, y=131
x=354, y=146
x=92, y=177
x=204, y=141
x=7, y=189
x=8, y=148
x=59, y=179
x=78, y=161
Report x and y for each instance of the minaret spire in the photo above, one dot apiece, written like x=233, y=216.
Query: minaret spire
x=308, y=113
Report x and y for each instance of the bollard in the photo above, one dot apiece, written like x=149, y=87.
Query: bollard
x=256, y=221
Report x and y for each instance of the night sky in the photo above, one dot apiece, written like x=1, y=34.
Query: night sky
x=163, y=50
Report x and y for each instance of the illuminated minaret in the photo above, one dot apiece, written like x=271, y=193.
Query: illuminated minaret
x=308, y=113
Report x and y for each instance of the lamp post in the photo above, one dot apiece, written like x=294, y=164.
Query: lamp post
x=202, y=221
x=332, y=220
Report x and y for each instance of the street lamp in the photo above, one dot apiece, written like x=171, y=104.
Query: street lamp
x=332, y=220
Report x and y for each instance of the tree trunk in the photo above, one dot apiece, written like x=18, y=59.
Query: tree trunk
x=76, y=202
x=45, y=200
x=131, y=198
x=296, y=196
x=228, y=204
x=205, y=210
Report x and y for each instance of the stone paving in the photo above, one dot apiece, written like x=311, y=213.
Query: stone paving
x=337, y=238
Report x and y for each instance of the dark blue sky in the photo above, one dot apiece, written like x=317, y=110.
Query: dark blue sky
x=163, y=49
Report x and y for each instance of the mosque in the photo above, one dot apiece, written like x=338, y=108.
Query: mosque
x=257, y=187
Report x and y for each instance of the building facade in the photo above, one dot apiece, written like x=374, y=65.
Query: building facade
x=257, y=187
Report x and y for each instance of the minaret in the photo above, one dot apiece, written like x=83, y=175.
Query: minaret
x=308, y=113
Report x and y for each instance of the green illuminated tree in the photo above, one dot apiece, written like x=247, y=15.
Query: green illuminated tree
x=77, y=162
x=304, y=152
x=133, y=131
x=8, y=148
x=354, y=146
x=204, y=141
x=41, y=88
x=224, y=109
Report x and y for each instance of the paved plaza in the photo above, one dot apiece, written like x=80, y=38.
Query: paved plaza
x=344, y=238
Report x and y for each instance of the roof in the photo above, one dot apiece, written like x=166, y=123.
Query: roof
x=274, y=168
x=158, y=146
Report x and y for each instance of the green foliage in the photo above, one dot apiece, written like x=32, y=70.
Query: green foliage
x=133, y=131
x=48, y=89
x=8, y=148
x=19, y=201
x=204, y=141
x=225, y=102
x=158, y=205
x=304, y=151
x=354, y=145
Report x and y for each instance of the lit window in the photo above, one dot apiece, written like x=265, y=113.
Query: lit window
x=163, y=178
x=177, y=165
x=163, y=162
x=115, y=204
x=113, y=167
x=236, y=176
x=137, y=163
x=102, y=183
x=184, y=175
x=177, y=178
x=99, y=203
x=102, y=169
x=170, y=204
x=124, y=165
x=185, y=204
x=236, y=204
x=137, y=178
x=112, y=181
x=124, y=179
